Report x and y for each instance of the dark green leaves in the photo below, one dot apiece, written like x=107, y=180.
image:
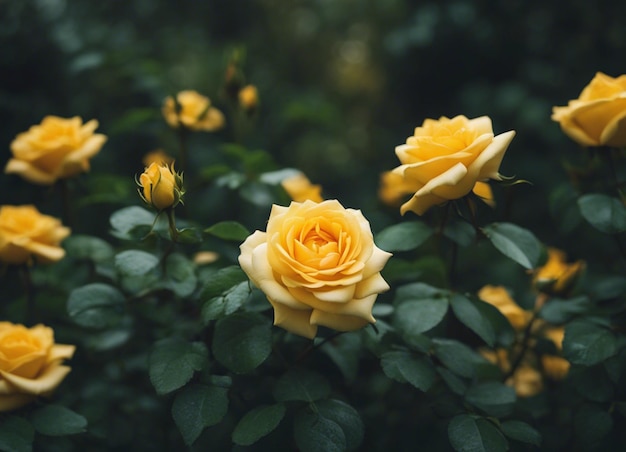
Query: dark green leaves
x=16, y=434
x=492, y=397
x=515, y=242
x=403, y=236
x=228, y=230
x=475, y=434
x=605, y=213
x=301, y=384
x=468, y=312
x=135, y=262
x=407, y=367
x=132, y=222
x=173, y=362
x=242, y=341
x=57, y=420
x=96, y=305
x=197, y=407
x=588, y=343
x=257, y=423
x=521, y=431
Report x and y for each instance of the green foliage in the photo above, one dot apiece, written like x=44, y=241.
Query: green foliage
x=605, y=213
x=56, y=420
x=17, y=434
x=257, y=423
x=196, y=407
x=403, y=236
x=515, y=242
x=476, y=434
x=173, y=362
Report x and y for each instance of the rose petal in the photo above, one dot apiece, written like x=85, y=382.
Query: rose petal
x=11, y=402
x=337, y=321
x=29, y=172
x=487, y=164
x=293, y=320
x=375, y=284
x=44, y=384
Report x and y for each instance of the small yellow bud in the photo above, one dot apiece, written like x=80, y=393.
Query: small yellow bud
x=248, y=98
x=161, y=186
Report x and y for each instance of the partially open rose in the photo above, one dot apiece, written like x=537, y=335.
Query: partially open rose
x=193, y=111
x=30, y=364
x=318, y=266
x=444, y=160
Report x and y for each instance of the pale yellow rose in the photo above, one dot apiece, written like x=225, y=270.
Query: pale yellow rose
x=25, y=233
x=161, y=186
x=196, y=112
x=30, y=364
x=299, y=188
x=598, y=116
x=444, y=160
x=527, y=381
x=248, y=98
x=555, y=366
x=157, y=156
x=318, y=266
x=55, y=149
x=556, y=277
x=499, y=297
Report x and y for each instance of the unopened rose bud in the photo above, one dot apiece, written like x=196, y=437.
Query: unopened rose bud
x=161, y=186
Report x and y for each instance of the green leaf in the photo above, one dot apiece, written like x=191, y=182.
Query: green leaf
x=108, y=339
x=242, y=341
x=468, y=313
x=492, y=397
x=559, y=311
x=256, y=193
x=346, y=417
x=403, y=236
x=229, y=302
x=315, y=433
x=344, y=351
x=123, y=221
x=505, y=334
x=301, y=384
x=521, y=431
x=407, y=367
x=591, y=425
x=228, y=230
x=87, y=247
x=588, y=344
x=257, y=423
x=135, y=262
x=189, y=235
x=96, y=305
x=455, y=383
x=460, y=359
x=517, y=243
x=460, y=232
x=605, y=213
x=180, y=275
x=173, y=362
x=474, y=434
x=220, y=281
x=197, y=407
x=57, y=420
x=16, y=434
x=417, y=316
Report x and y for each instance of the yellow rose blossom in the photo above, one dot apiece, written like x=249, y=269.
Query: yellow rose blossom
x=196, y=112
x=318, y=266
x=248, y=98
x=484, y=192
x=527, y=381
x=555, y=366
x=444, y=160
x=499, y=297
x=26, y=233
x=158, y=156
x=299, y=188
x=161, y=186
x=30, y=364
x=557, y=277
x=55, y=149
x=598, y=116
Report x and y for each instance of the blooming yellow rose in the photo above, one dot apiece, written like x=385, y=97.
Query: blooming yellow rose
x=499, y=297
x=248, y=98
x=161, y=186
x=30, y=364
x=299, y=188
x=55, y=149
x=556, y=277
x=26, y=233
x=444, y=160
x=598, y=116
x=318, y=265
x=196, y=112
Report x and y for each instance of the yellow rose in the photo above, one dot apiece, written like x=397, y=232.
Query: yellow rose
x=196, y=112
x=556, y=277
x=555, y=366
x=55, y=149
x=157, y=156
x=499, y=297
x=598, y=116
x=248, y=98
x=526, y=380
x=26, y=233
x=300, y=188
x=318, y=265
x=161, y=186
x=444, y=160
x=30, y=364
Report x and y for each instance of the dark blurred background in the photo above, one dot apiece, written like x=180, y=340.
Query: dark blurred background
x=341, y=82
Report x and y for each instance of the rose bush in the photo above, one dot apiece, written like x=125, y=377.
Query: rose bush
x=318, y=266
x=161, y=186
x=443, y=161
x=55, y=149
x=26, y=233
x=499, y=297
x=556, y=276
x=30, y=363
x=193, y=111
x=598, y=116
